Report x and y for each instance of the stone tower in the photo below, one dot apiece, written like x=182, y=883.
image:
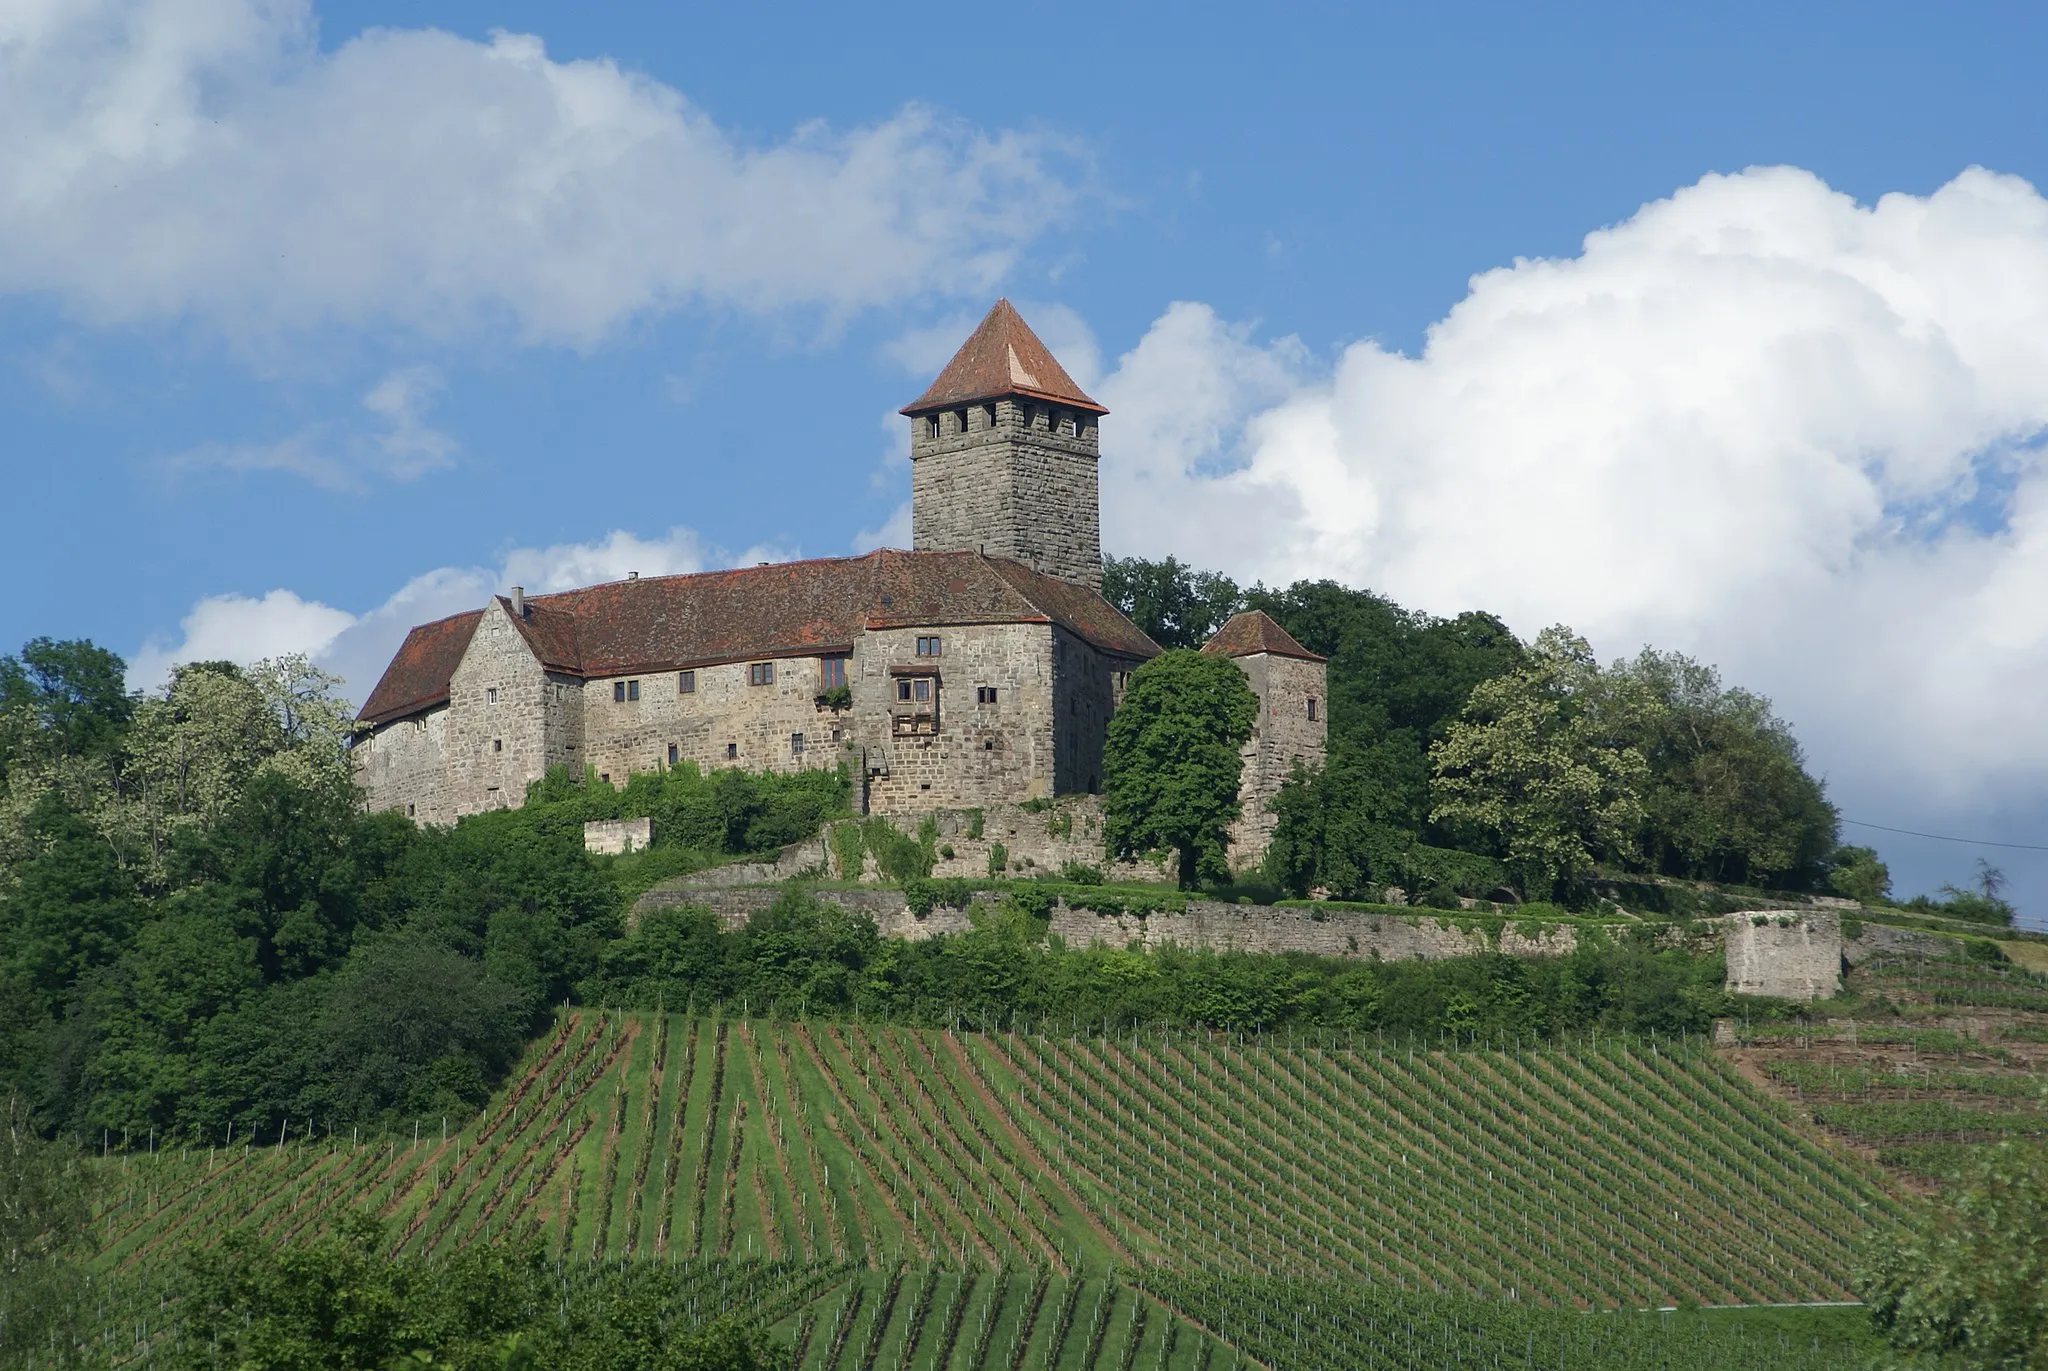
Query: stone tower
x=1003, y=450
x=1293, y=722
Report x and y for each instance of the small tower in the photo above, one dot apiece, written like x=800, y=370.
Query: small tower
x=1291, y=683
x=1003, y=450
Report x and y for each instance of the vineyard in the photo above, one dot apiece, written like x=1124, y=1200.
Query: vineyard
x=1625, y=1174
x=1927, y=1060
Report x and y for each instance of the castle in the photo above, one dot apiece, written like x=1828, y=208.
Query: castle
x=979, y=668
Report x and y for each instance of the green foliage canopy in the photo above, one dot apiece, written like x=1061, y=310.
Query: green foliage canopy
x=1172, y=760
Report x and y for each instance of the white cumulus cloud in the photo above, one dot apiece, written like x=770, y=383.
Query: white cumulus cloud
x=207, y=158
x=357, y=647
x=1756, y=421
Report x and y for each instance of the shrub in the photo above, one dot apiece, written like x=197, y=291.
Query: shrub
x=1080, y=873
x=849, y=849
x=1440, y=897
x=900, y=858
x=974, y=821
x=998, y=859
x=838, y=697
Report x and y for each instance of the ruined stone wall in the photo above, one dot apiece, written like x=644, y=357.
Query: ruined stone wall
x=724, y=721
x=982, y=752
x=1040, y=840
x=497, y=701
x=403, y=765
x=1202, y=925
x=1785, y=954
x=1282, y=734
x=613, y=837
x=1018, y=481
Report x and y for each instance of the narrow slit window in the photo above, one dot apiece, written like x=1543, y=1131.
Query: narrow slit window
x=672, y=752
x=497, y=744
x=1311, y=709
x=732, y=752
x=490, y=695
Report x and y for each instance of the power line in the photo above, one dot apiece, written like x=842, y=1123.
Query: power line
x=1944, y=838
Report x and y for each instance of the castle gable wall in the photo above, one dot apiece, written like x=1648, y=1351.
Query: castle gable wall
x=403, y=765
x=498, y=700
x=981, y=751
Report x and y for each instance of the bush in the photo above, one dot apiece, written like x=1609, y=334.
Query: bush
x=849, y=850
x=974, y=823
x=900, y=858
x=998, y=859
x=1080, y=873
x=1440, y=897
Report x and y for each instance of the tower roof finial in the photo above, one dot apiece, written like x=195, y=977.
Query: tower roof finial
x=1002, y=357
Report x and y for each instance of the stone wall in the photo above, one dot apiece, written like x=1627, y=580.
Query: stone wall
x=1283, y=734
x=611, y=837
x=1787, y=955
x=1040, y=840
x=1087, y=687
x=497, y=702
x=724, y=720
x=982, y=752
x=1203, y=924
x=1019, y=481
x=402, y=766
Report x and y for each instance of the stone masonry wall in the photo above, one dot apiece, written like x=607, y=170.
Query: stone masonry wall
x=497, y=701
x=611, y=837
x=1019, y=481
x=1000, y=751
x=724, y=721
x=1788, y=955
x=401, y=765
x=1203, y=924
x=1087, y=687
x=1036, y=841
x=1282, y=735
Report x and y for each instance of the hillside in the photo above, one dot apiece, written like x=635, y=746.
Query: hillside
x=1622, y=1174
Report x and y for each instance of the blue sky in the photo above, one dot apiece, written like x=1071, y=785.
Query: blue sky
x=292, y=352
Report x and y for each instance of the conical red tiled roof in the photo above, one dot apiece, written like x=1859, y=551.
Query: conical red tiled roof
x=1003, y=357
x=1253, y=632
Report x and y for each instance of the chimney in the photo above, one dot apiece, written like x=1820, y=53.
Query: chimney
x=519, y=601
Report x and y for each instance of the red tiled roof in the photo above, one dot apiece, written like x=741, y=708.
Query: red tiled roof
x=418, y=676
x=1253, y=632
x=1002, y=357
x=787, y=609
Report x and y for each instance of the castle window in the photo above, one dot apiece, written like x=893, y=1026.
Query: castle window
x=1311, y=709
x=988, y=416
x=931, y=426
x=497, y=744
x=984, y=695
x=490, y=695
x=732, y=752
x=632, y=690
x=927, y=647
x=835, y=733
x=605, y=776
x=618, y=692
x=561, y=691
x=961, y=417
x=761, y=673
x=988, y=745
x=686, y=683
x=832, y=672
x=411, y=811
x=419, y=725
x=796, y=744
x=671, y=754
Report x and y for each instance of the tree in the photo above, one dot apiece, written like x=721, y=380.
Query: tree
x=1728, y=797
x=1176, y=605
x=45, y=1233
x=76, y=694
x=1541, y=760
x=1967, y=1281
x=1857, y=874
x=1171, y=762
